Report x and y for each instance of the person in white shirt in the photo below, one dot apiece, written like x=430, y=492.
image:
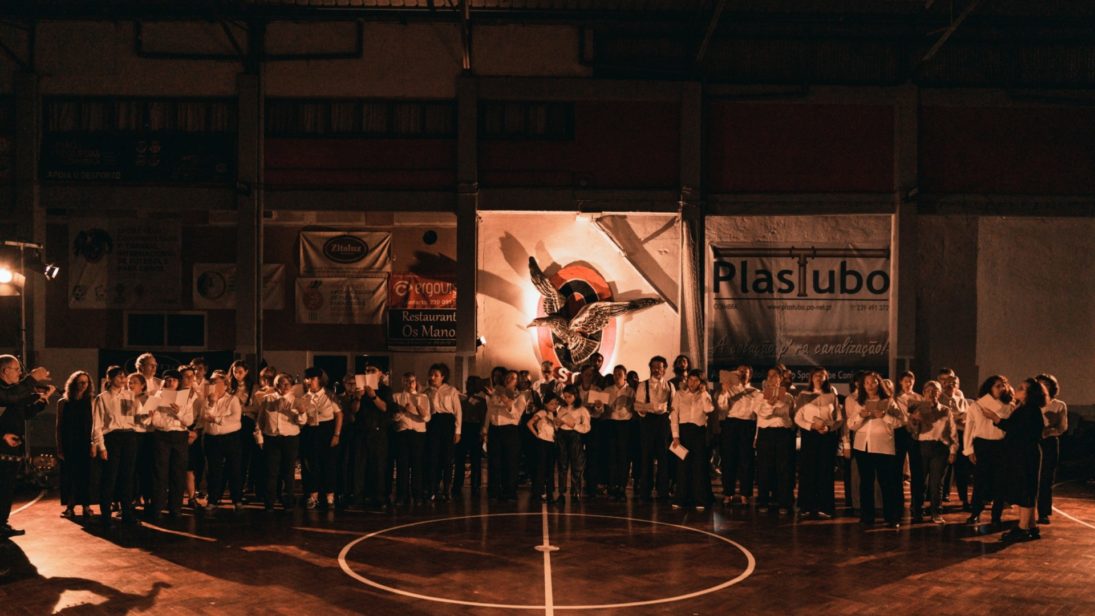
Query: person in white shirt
x=443, y=432
x=908, y=450
x=736, y=410
x=146, y=365
x=223, y=423
x=874, y=423
x=961, y=472
x=201, y=370
x=277, y=432
x=618, y=416
x=932, y=425
x=819, y=417
x=195, y=465
x=114, y=439
x=542, y=426
x=241, y=384
x=594, y=442
x=319, y=440
x=984, y=445
x=548, y=383
x=145, y=465
x=1056, y=419
x=687, y=424
x=412, y=414
x=171, y=417
x=572, y=421
x=776, y=444
x=653, y=399
x=505, y=406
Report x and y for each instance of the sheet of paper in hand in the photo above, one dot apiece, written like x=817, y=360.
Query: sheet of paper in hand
x=678, y=450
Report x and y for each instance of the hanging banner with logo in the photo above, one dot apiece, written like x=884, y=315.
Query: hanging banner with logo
x=334, y=254
x=421, y=311
x=215, y=286
x=124, y=264
x=801, y=305
x=342, y=301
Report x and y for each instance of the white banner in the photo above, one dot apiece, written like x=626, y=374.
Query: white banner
x=124, y=264
x=802, y=305
x=215, y=286
x=342, y=301
x=339, y=254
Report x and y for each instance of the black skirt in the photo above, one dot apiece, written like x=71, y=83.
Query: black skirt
x=1024, y=464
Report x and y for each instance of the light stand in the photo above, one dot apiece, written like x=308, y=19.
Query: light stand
x=23, y=358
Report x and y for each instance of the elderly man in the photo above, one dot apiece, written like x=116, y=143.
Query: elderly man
x=21, y=397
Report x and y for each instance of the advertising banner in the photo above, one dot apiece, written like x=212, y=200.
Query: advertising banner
x=341, y=301
x=124, y=264
x=799, y=304
x=336, y=254
x=421, y=310
x=215, y=286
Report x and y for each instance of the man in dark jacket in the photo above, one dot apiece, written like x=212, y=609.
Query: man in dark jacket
x=21, y=397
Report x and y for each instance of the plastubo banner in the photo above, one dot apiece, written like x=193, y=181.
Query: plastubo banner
x=341, y=301
x=335, y=254
x=801, y=305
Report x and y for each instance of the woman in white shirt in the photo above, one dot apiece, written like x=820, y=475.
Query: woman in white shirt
x=277, y=432
x=505, y=407
x=223, y=423
x=875, y=453
x=905, y=443
x=736, y=405
x=618, y=416
x=775, y=445
x=319, y=440
x=984, y=446
x=818, y=415
x=412, y=413
x=572, y=421
x=542, y=426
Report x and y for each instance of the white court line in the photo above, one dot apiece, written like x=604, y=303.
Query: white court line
x=1067, y=515
x=30, y=504
x=749, y=569
x=178, y=532
x=546, y=548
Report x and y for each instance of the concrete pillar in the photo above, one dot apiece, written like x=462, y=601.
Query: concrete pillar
x=903, y=265
x=692, y=224
x=467, y=224
x=249, y=148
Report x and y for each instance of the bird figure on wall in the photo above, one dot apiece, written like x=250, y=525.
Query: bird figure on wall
x=575, y=333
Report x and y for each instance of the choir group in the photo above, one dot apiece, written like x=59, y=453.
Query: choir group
x=152, y=441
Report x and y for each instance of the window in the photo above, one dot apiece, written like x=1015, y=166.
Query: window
x=526, y=120
x=138, y=115
x=360, y=118
x=165, y=330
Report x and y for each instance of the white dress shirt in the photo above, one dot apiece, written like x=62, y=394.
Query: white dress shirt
x=622, y=402
x=738, y=403
x=1056, y=418
x=875, y=435
x=111, y=411
x=166, y=419
x=153, y=385
x=689, y=408
x=223, y=416
x=979, y=426
x=579, y=416
x=502, y=410
x=959, y=405
x=445, y=400
x=320, y=407
x=776, y=415
x=413, y=412
x=935, y=423
x=653, y=397
x=812, y=407
x=543, y=425
x=280, y=415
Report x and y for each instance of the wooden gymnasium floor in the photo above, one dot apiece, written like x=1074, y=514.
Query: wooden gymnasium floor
x=601, y=558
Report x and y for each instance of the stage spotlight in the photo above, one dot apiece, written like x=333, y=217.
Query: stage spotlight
x=6, y=275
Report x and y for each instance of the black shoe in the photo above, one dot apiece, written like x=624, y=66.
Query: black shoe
x=1015, y=534
x=1043, y=519
x=973, y=520
x=7, y=531
x=996, y=521
x=917, y=519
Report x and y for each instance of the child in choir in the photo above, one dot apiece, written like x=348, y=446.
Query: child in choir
x=572, y=421
x=411, y=415
x=223, y=422
x=688, y=421
x=542, y=426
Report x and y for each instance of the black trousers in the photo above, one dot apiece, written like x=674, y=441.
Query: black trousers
x=318, y=469
x=572, y=460
x=816, y=472
x=654, y=440
x=440, y=452
x=543, y=477
x=411, y=465
x=885, y=468
x=145, y=479
x=116, y=475
x=776, y=466
x=469, y=449
x=691, y=471
x=736, y=455
x=989, y=476
x=223, y=455
x=76, y=475
x=1051, y=456
x=596, y=456
x=370, y=465
x=195, y=460
x=251, y=467
x=933, y=463
x=280, y=458
x=504, y=456
x=960, y=473
x=171, y=455
x=904, y=446
x=8, y=471
x=619, y=453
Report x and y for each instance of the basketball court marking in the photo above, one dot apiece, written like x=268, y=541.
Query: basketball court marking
x=31, y=503
x=549, y=605
x=1066, y=514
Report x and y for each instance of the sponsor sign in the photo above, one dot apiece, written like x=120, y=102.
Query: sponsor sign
x=124, y=264
x=334, y=254
x=801, y=305
x=421, y=310
x=215, y=286
x=421, y=292
x=341, y=301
